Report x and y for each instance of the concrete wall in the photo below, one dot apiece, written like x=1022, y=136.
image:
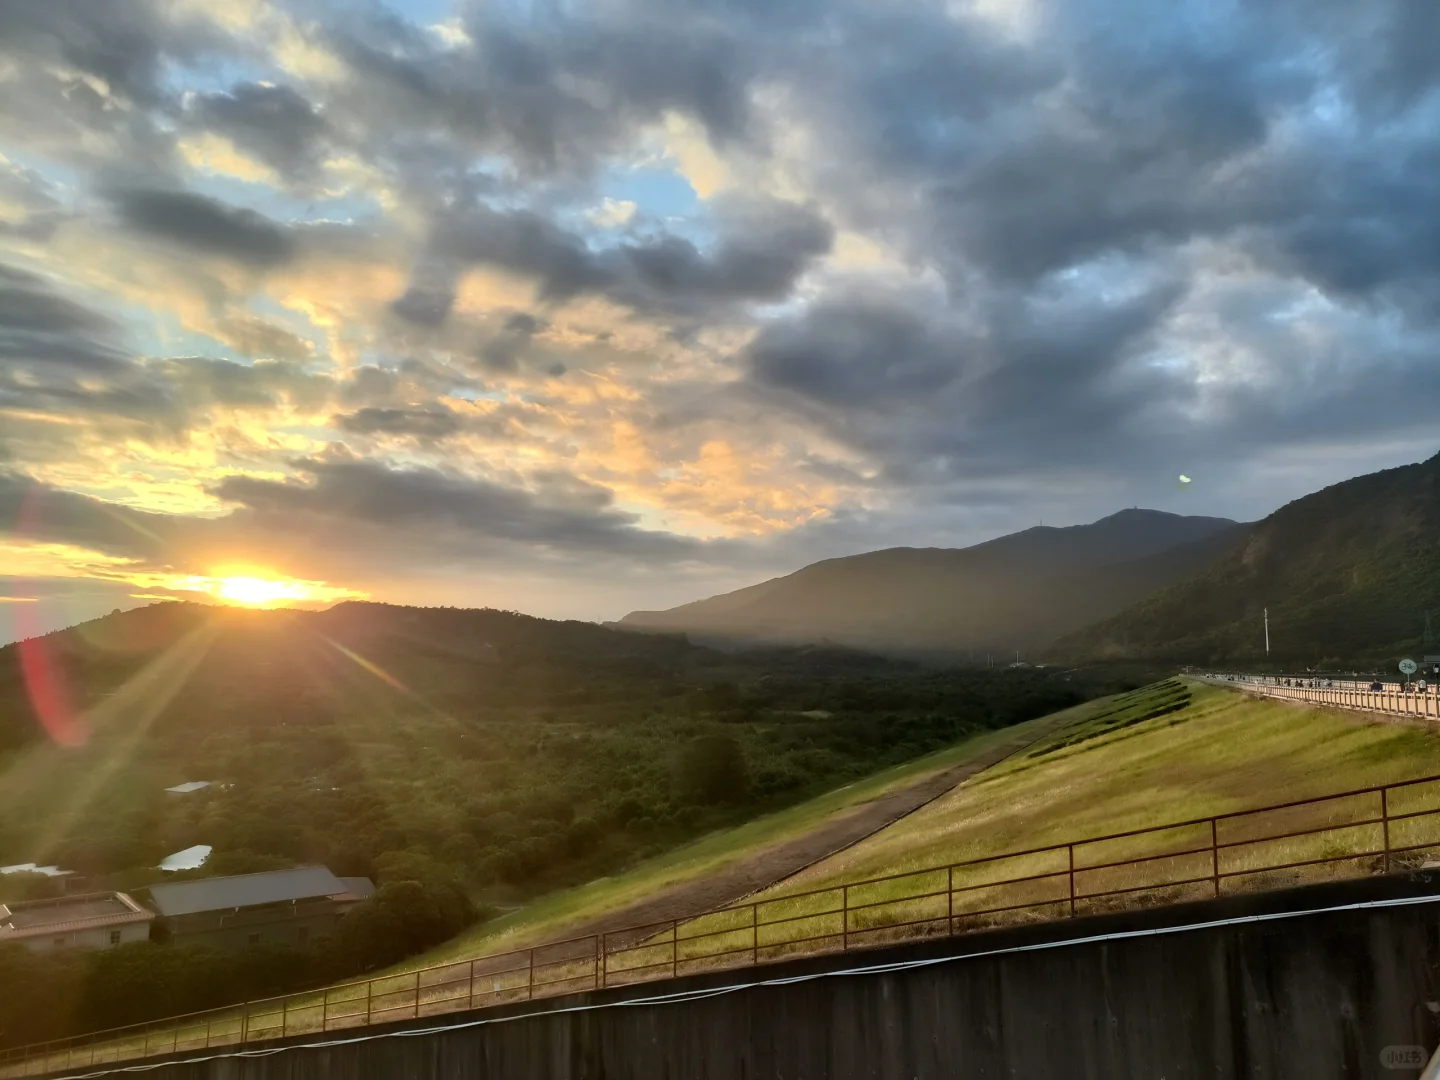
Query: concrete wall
x=1191, y=993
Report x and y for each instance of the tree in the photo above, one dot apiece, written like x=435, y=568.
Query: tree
x=712, y=769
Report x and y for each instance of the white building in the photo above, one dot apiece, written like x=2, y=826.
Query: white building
x=187, y=788
x=90, y=920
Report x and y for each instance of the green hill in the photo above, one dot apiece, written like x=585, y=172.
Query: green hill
x=519, y=753
x=1171, y=752
x=485, y=758
x=1016, y=592
x=1348, y=574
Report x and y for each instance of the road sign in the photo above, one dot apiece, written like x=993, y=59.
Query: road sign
x=1408, y=667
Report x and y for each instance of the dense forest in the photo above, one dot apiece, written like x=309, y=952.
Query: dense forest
x=485, y=755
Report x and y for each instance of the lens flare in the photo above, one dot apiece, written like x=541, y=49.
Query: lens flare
x=373, y=668
x=43, y=675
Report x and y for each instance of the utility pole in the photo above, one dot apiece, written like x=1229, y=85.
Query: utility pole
x=1267, y=631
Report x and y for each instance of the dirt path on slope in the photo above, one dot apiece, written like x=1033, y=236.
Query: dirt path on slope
x=774, y=864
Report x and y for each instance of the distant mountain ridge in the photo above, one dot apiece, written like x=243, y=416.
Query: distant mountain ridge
x=1349, y=573
x=1020, y=591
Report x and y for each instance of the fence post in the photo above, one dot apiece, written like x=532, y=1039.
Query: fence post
x=604, y=958
x=950, y=900
x=1215, y=856
x=530, y=978
x=284, y=1017
x=369, y=996
x=1070, y=849
x=174, y=1036
x=754, y=934
x=417, y=992
x=244, y=1023
x=207, y=1032
x=1385, y=826
x=674, y=948
x=470, y=1003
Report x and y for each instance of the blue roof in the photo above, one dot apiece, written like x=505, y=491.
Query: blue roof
x=245, y=890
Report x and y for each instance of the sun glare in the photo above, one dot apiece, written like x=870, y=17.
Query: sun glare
x=251, y=589
x=258, y=592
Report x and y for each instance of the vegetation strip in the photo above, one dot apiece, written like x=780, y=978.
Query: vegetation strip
x=1344, y=841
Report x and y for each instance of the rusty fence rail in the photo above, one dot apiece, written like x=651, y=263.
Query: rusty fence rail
x=1344, y=835
x=1393, y=699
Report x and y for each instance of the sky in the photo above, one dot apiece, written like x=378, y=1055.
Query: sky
x=576, y=308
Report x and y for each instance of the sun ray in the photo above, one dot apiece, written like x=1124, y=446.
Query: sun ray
x=129, y=712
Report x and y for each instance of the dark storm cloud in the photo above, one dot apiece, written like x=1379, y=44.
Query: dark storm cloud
x=45, y=334
x=857, y=353
x=449, y=511
x=764, y=249
x=1029, y=381
x=205, y=225
x=89, y=84
x=554, y=91
x=37, y=512
x=119, y=41
x=276, y=124
x=526, y=243
x=425, y=423
x=1085, y=184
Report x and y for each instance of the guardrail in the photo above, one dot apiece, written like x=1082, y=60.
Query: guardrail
x=1349, y=834
x=1392, y=699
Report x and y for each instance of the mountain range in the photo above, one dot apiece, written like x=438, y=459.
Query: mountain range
x=1348, y=573
x=1017, y=592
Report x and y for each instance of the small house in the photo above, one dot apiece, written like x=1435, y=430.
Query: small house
x=86, y=920
x=280, y=906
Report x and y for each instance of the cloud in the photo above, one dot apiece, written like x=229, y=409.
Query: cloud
x=276, y=124
x=859, y=352
x=54, y=352
x=256, y=337
x=764, y=248
x=424, y=423
x=443, y=510
x=205, y=225
x=611, y=213
x=1080, y=244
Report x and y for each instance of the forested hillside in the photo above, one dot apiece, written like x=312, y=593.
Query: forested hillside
x=1015, y=592
x=1350, y=574
x=514, y=752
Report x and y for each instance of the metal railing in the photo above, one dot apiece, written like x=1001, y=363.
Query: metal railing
x=1345, y=835
x=1392, y=698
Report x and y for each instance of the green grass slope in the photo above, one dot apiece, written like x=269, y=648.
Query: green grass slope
x=557, y=915
x=1221, y=751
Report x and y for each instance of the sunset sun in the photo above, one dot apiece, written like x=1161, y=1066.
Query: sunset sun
x=257, y=592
